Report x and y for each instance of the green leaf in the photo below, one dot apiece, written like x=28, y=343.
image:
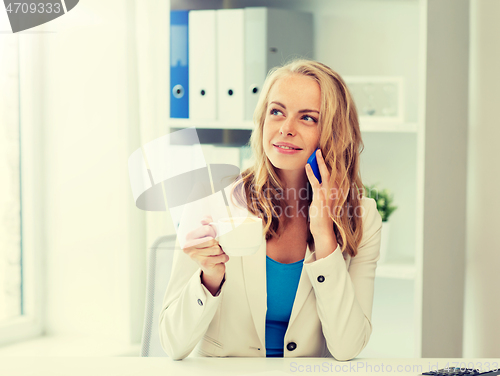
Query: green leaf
x=384, y=199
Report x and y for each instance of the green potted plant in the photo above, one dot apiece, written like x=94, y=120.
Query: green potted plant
x=384, y=199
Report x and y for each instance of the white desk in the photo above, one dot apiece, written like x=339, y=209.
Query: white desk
x=84, y=366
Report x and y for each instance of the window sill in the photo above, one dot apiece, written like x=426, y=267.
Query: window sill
x=70, y=346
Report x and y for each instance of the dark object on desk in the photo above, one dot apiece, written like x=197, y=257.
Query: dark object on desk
x=461, y=372
x=313, y=162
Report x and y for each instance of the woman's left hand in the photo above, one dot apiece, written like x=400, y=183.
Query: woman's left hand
x=325, y=198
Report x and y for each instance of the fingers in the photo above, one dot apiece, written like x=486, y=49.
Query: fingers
x=201, y=232
x=323, y=169
x=215, y=251
x=199, y=243
x=202, y=247
x=207, y=257
x=202, y=253
x=323, y=189
x=206, y=220
x=207, y=246
x=310, y=175
x=209, y=262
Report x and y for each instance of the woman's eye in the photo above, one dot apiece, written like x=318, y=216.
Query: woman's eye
x=274, y=112
x=309, y=118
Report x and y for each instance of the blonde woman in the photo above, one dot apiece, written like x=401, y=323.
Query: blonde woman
x=308, y=291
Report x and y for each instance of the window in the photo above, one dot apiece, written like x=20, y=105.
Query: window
x=11, y=286
x=21, y=231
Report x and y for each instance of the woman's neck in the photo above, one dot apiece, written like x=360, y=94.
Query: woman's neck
x=295, y=193
x=294, y=181
x=297, y=201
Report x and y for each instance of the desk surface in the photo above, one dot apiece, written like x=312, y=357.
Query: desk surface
x=83, y=366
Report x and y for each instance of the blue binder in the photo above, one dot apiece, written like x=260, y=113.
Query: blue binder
x=179, y=64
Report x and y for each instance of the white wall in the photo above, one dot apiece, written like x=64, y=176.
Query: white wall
x=445, y=177
x=482, y=306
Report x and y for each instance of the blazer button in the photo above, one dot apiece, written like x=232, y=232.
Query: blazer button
x=321, y=278
x=200, y=302
x=291, y=346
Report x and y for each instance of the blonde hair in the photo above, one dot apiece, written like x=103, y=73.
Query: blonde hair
x=340, y=143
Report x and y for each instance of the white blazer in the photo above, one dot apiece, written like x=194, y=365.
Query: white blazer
x=331, y=314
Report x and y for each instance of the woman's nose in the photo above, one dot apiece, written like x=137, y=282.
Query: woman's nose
x=288, y=126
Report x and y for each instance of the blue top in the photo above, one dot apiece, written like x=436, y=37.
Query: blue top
x=282, y=283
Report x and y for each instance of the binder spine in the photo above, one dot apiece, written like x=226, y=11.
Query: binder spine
x=203, y=65
x=231, y=61
x=179, y=64
x=255, y=56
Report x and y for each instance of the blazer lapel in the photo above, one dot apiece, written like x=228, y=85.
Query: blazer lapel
x=254, y=274
x=303, y=291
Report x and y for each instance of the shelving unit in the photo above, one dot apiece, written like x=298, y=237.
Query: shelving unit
x=397, y=270
x=416, y=40
x=210, y=124
x=365, y=126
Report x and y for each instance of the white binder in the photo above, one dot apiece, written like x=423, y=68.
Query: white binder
x=272, y=37
x=202, y=65
x=230, y=59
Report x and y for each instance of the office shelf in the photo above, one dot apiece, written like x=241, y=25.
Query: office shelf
x=368, y=126
x=210, y=124
x=365, y=125
x=396, y=270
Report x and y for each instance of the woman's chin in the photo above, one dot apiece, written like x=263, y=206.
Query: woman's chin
x=289, y=168
x=287, y=164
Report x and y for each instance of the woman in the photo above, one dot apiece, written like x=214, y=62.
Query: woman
x=308, y=291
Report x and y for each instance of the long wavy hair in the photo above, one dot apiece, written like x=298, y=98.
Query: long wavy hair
x=340, y=142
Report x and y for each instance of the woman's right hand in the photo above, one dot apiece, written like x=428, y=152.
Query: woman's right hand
x=205, y=250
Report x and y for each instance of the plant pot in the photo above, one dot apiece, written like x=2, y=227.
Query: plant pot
x=384, y=242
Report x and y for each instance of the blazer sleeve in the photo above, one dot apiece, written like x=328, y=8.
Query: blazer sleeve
x=188, y=308
x=344, y=298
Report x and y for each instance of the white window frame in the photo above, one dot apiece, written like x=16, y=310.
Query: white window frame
x=31, y=323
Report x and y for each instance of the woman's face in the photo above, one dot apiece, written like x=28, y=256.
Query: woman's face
x=292, y=117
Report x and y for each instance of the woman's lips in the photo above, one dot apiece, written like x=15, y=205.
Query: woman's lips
x=285, y=151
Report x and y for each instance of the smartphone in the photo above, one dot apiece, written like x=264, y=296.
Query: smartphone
x=314, y=165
